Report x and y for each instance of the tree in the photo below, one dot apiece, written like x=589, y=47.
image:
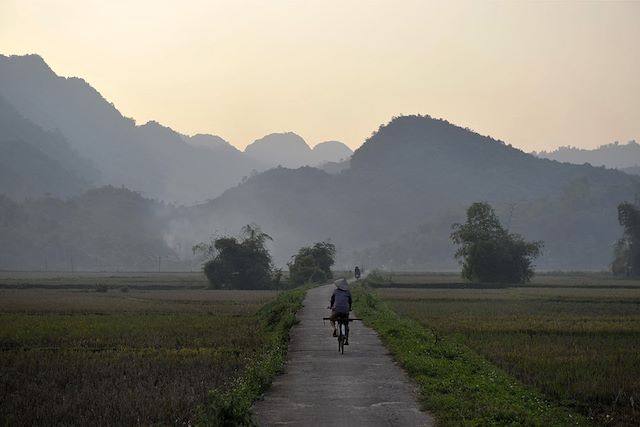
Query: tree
x=488, y=252
x=626, y=252
x=312, y=264
x=239, y=263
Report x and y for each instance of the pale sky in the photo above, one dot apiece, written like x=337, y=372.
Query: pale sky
x=534, y=74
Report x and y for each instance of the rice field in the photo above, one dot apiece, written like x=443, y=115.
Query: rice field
x=121, y=349
x=575, y=337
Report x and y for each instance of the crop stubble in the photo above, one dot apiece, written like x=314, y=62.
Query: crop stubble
x=76, y=357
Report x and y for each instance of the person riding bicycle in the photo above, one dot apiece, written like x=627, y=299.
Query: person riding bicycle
x=356, y=272
x=340, y=306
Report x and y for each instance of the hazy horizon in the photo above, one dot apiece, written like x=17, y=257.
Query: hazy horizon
x=536, y=75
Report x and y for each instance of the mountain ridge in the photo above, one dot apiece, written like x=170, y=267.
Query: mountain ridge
x=141, y=157
x=413, y=177
x=439, y=170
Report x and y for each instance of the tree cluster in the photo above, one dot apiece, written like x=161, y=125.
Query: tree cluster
x=312, y=264
x=239, y=262
x=245, y=262
x=488, y=252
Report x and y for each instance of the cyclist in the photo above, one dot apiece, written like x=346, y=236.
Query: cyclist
x=340, y=306
x=356, y=272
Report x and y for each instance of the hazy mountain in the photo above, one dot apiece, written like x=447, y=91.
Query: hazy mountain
x=152, y=159
x=390, y=204
x=614, y=155
x=330, y=151
x=34, y=162
x=393, y=207
x=291, y=151
x=418, y=173
x=280, y=149
x=37, y=175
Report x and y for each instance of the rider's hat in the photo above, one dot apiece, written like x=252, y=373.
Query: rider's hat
x=342, y=284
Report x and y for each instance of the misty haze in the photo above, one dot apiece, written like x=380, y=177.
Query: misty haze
x=352, y=214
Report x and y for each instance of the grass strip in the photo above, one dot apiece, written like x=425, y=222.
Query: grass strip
x=456, y=384
x=231, y=406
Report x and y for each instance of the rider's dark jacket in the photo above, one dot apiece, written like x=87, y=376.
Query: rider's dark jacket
x=341, y=301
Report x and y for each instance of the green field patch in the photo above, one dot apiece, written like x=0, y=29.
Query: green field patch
x=582, y=352
x=459, y=386
x=540, y=280
x=93, y=331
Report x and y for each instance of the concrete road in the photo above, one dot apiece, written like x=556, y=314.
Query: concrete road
x=320, y=387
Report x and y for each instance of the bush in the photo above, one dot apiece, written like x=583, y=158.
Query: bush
x=312, y=264
x=488, y=253
x=239, y=263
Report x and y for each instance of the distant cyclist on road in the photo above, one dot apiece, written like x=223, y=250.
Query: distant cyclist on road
x=356, y=272
x=340, y=306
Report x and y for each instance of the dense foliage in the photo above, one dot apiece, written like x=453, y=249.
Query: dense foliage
x=312, y=263
x=488, y=252
x=239, y=263
x=626, y=257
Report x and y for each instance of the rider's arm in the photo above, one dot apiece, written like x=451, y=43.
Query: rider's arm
x=333, y=300
x=349, y=301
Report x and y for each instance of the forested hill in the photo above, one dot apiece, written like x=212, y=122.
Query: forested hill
x=420, y=160
x=391, y=205
x=418, y=174
x=393, y=208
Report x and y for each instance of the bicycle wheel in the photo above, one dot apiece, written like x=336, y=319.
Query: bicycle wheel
x=341, y=339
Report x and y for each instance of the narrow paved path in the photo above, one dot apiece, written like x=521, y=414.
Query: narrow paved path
x=320, y=387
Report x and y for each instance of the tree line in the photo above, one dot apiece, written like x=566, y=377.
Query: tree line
x=487, y=252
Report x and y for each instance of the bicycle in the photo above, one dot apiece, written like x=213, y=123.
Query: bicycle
x=343, y=330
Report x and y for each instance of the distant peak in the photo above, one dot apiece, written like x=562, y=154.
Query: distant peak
x=289, y=139
x=331, y=151
x=331, y=143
